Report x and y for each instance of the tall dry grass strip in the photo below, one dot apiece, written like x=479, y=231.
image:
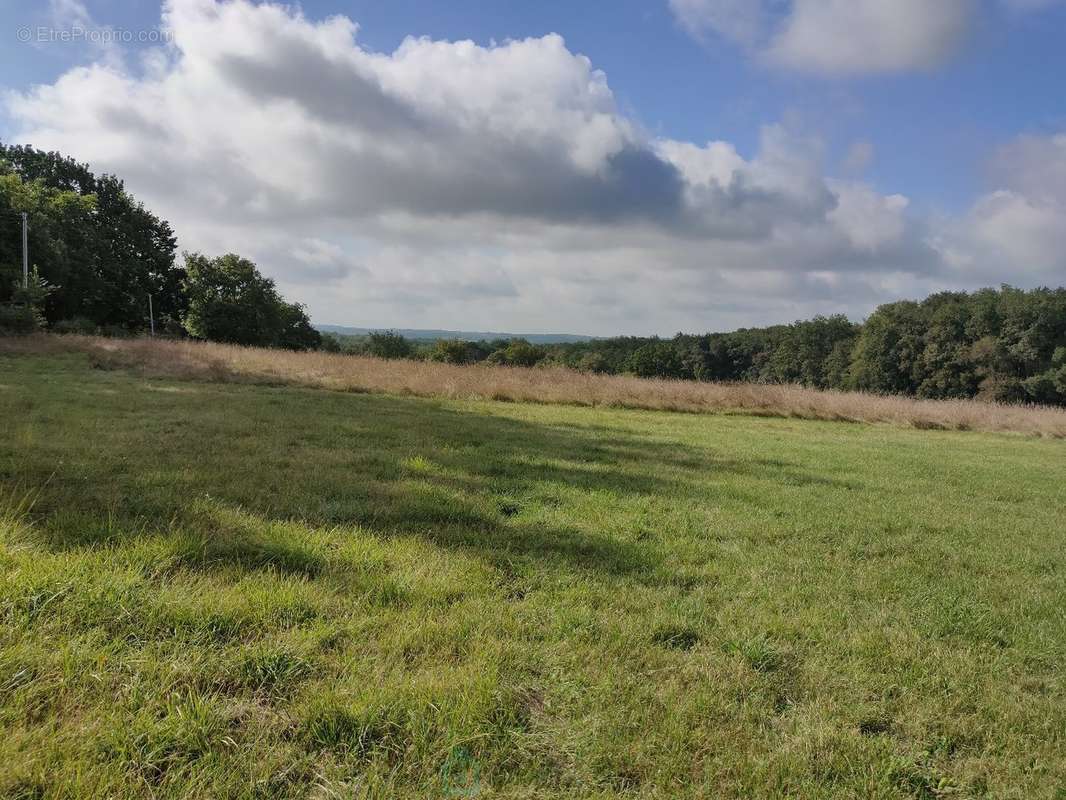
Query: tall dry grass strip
x=218, y=362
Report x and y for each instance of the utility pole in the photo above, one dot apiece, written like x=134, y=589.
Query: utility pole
x=151, y=315
x=25, y=253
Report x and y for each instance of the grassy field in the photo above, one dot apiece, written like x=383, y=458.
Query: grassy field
x=229, y=590
x=185, y=360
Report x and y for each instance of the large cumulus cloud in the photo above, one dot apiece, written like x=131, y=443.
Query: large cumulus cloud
x=454, y=184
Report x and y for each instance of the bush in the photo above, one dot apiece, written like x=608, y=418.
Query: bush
x=22, y=314
x=451, y=351
x=1048, y=387
x=655, y=360
x=114, y=331
x=388, y=344
x=593, y=362
x=330, y=344
x=77, y=325
x=18, y=319
x=518, y=353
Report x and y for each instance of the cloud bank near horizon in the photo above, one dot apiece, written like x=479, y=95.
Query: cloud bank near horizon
x=450, y=184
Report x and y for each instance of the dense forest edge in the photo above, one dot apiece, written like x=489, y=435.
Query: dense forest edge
x=97, y=255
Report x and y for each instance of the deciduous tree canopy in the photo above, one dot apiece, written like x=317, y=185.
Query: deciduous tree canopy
x=90, y=238
x=229, y=301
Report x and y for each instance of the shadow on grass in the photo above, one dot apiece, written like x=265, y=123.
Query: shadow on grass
x=398, y=467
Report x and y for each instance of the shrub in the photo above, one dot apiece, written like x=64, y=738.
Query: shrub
x=330, y=344
x=78, y=325
x=593, y=362
x=114, y=331
x=388, y=344
x=655, y=360
x=22, y=314
x=518, y=353
x=451, y=351
x=18, y=319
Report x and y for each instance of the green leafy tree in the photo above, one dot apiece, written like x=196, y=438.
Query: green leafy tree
x=230, y=301
x=451, y=351
x=518, y=353
x=801, y=351
x=656, y=359
x=888, y=350
x=89, y=236
x=59, y=222
x=388, y=344
x=22, y=314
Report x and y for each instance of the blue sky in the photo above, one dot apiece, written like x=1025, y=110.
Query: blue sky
x=951, y=122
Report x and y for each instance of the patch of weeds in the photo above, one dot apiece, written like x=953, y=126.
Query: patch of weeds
x=273, y=670
x=617, y=774
x=187, y=728
x=23, y=789
x=15, y=509
x=292, y=613
x=946, y=743
x=514, y=707
x=14, y=677
x=27, y=608
x=386, y=593
x=515, y=580
x=874, y=726
x=332, y=725
x=219, y=627
x=417, y=464
x=686, y=580
x=216, y=550
x=676, y=637
x=921, y=781
x=927, y=424
x=761, y=654
x=966, y=618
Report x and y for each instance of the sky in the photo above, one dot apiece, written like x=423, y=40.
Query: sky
x=633, y=167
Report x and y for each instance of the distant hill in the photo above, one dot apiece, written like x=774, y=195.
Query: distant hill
x=469, y=336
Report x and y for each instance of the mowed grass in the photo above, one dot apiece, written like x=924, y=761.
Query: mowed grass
x=225, y=590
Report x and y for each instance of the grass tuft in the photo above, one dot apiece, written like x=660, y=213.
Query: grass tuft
x=676, y=637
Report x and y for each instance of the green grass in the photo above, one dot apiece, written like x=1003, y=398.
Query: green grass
x=217, y=590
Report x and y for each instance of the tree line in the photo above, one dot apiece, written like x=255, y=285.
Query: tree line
x=1002, y=344
x=98, y=255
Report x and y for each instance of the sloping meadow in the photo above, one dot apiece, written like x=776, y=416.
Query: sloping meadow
x=555, y=385
x=220, y=589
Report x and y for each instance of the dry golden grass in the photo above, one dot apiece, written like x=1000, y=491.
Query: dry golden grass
x=218, y=362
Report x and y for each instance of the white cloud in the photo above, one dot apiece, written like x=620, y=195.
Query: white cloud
x=1021, y=224
x=742, y=21
x=869, y=220
x=869, y=36
x=448, y=184
x=1034, y=166
x=835, y=37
